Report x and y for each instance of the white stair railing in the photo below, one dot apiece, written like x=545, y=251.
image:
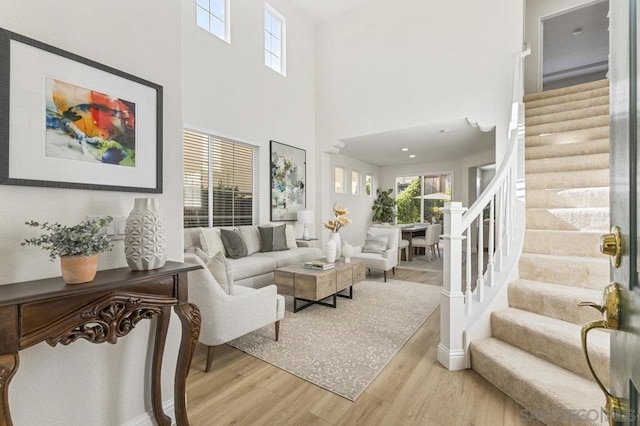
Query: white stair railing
x=465, y=298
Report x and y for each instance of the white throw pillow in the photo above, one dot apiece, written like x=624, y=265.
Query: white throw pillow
x=290, y=234
x=220, y=269
x=251, y=238
x=211, y=241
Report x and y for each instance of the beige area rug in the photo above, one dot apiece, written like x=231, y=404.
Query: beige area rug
x=344, y=349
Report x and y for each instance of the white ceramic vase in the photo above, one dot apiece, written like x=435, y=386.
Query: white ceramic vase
x=347, y=252
x=330, y=251
x=336, y=238
x=145, y=240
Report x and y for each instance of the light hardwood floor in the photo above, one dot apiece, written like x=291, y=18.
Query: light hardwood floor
x=413, y=389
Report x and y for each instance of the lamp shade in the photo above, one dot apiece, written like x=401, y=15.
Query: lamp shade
x=305, y=216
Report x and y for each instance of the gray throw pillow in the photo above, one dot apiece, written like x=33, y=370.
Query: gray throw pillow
x=233, y=243
x=273, y=238
x=375, y=244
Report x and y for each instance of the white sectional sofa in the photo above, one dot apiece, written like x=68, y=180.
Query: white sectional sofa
x=257, y=269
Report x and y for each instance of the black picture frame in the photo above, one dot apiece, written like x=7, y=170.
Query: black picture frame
x=142, y=173
x=288, y=180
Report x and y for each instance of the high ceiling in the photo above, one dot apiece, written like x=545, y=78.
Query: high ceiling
x=428, y=143
x=321, y=10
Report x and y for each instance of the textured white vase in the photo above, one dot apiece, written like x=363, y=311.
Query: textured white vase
x=330, y=249
x=336, y=238
x=145, y=240
x=347, y=252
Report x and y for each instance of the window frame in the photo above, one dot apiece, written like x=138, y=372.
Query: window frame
x=343, y=182
x=359, y=183
x=368, y=180
x=226, y=21
x=268, y=9
x=421, y=177
x=205, y=142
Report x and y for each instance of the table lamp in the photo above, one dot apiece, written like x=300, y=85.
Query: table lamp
x=305, y=217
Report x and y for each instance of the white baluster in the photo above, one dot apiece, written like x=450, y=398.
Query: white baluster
x=499, y=222
x=508, y=218
x=468, y=295
x=480, y=279
x=490, y=265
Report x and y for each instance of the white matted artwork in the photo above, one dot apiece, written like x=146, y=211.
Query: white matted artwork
x=288, y=181
x=75, y=123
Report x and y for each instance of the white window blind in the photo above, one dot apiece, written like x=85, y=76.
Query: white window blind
x=220, y=182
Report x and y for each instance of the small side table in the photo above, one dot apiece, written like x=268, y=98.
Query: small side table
x=311, y=242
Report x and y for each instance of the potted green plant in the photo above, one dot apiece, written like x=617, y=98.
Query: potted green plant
x=384, y=206
x=77, y=246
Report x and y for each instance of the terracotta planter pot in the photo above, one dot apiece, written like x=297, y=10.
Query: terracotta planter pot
x=78, y=269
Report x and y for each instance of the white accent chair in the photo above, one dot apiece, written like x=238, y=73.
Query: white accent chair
x=430, y=242
x=386, y=261
x=403, y=245
x=226, y=317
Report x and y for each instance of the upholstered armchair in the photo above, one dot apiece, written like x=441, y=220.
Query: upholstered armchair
x=380, y=258
x=228, y=316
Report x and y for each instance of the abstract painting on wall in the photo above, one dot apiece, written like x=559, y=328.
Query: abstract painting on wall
x=87, y=125
x=288, y=181
x=71, y=122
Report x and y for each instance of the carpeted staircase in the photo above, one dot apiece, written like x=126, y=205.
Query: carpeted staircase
x=535, y=354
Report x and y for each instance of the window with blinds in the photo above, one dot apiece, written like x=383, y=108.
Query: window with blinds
x=220, y=182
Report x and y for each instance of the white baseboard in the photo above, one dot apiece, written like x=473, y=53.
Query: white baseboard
x=147, y=418
x=452, y=360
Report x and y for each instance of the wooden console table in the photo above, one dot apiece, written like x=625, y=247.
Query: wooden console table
x=101, y=311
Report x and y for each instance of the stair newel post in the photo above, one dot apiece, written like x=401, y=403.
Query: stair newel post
x=490, y=265
x=451, y=351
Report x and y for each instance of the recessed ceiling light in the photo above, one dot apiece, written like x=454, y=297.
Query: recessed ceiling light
x=405, y=149
x=445, y=130
x=576, y=31
x=412, y=156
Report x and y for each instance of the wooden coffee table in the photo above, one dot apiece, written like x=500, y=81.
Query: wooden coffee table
x=313, y=286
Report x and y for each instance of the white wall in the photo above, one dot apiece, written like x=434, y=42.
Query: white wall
x=393, y=64
x=535, y=10
x=359, y=205
x=228, y=91
x=85, y=383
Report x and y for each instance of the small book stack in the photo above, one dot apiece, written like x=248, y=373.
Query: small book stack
x=320, y=265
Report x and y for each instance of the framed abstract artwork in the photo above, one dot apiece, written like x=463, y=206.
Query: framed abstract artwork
x=288, y=181
x=69, y=122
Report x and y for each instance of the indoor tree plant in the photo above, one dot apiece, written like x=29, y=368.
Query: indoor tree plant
x=383, y=206
x=77, y=246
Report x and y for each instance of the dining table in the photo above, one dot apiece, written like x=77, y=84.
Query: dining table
x=408, y=232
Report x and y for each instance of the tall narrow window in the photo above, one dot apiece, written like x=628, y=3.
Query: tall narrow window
x=340, y=186
x=213, y=16
x=274, y=40
x=355, y=182
x=368, y=185
x=220, y=182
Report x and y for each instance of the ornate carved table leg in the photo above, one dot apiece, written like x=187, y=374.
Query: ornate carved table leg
x=8, y=366
x=189, y=315
x=162, y=325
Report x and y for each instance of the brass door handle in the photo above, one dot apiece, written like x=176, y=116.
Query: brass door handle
x=610, y=310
